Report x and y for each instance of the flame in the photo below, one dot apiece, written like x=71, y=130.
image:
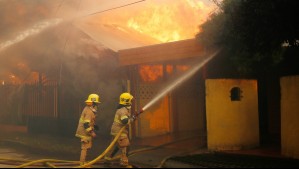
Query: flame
x=182, y=68
x=13, y=79
x=172, y=21
x=18, y=80
x=164, y=21
x=21, y=74
x=153, y=73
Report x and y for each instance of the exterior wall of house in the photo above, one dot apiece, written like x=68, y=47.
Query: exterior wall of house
x=190, y=106
x=180, y=111
x=290, y=116
x=231, y=125
x=189, y=116
x=156, y=119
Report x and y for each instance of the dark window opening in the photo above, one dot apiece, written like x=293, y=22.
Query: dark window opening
x=236, y=94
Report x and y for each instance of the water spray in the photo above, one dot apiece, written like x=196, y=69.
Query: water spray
x=176, y=83
x=37, y=28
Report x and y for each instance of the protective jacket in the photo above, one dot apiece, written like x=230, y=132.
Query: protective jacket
x=121, y=118
x=86, y=123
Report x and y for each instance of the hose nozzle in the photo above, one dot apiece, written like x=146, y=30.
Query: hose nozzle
x=141, y=111
x=137, y=114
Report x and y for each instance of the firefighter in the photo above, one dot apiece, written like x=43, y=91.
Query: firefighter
x=122, y=118
x=86, y=126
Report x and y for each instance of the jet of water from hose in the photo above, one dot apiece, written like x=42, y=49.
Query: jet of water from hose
x=178, y=81
x=37, y=28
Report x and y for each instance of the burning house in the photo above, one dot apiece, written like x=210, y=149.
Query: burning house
x=149, y=70
x=49, y=63
x=52, y=61
x=46, y=90
x=189, y=104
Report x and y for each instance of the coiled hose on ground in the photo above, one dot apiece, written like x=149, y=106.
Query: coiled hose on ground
x=55, y=163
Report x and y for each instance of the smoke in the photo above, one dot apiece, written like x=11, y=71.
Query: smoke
x=41, y=36
x=29, y=32
x=33, y=39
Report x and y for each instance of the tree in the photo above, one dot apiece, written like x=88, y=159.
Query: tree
x=254, y=33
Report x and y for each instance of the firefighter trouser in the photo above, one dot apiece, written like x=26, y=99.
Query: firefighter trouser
x=111, y=153
x=122, y=144
x=85, y=145
x=124, y=161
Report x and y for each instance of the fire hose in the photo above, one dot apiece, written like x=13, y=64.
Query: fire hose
x=76, y=164
x=80, y=166
x=49, y=162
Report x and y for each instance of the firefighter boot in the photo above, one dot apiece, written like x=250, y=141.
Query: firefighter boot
x=124, y=161
x=109, y=156
x=83, y=155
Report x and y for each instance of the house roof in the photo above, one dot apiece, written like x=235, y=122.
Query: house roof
x=120, y=24
x=115, y=37
x=162, y=52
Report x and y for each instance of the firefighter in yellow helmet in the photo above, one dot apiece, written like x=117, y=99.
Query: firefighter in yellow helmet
x=86, y=126
x=122, y=117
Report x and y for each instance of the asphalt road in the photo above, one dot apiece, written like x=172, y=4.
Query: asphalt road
x=12, y=157
x=10, y=153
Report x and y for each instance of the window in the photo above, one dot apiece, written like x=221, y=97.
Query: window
x=236, y=94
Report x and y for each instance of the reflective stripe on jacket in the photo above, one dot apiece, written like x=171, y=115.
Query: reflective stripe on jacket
x=117, y=124
x=87, y=116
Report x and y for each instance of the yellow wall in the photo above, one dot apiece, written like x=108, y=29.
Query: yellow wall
x=231, y=125
x=290, y=116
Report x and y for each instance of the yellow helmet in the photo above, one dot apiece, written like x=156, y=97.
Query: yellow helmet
x=125, y=99
x=93, y=98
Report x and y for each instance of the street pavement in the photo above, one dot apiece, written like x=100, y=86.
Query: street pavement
x=144, y=153
x=10, y=153
x=159, y=152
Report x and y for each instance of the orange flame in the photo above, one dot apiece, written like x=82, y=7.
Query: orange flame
x=22, y=74
x=153, y=73
x=164, y=21
x=171, y=21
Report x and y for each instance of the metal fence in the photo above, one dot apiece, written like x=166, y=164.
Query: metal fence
x=41, y=100
x=43, y=108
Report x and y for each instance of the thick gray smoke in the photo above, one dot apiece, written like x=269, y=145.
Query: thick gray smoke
x=57, y=50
